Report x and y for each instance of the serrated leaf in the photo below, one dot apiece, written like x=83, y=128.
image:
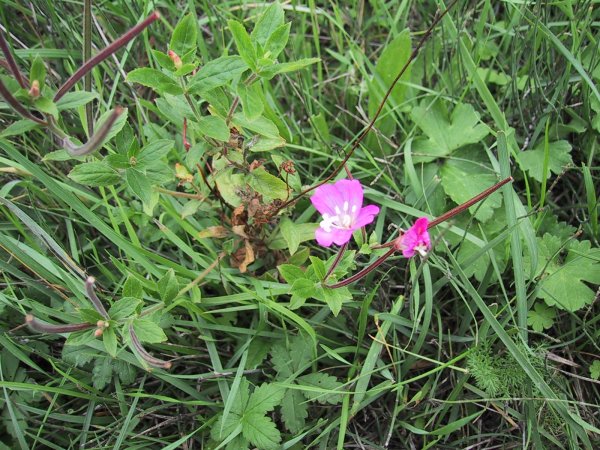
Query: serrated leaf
x=216, y=73
x=334, y=298
x=163, y=60
x=243, y=43
x=260, y=431
x=541, y=317
x=319, y=268
x=148, y=331
x=78, y=355
x=124, y=308
x=125, y=371
x=270, y=20
x=559, y=157
x=168, y=286
x=94, y=174
x=276, y=69
x=294, y=410
x=288, y=231
x=445, y=134
x=102, y=373
x=563, y=280
x=290, y=272
x=287, y=361
x=462, y=180
x=75, y=99
x=133, y=288
x=269, y=186
x=251, y=98
x=214, y=127
x=109, y=338
x=264, y=398
x=139, y=183
x=326, y=388
x=302, y=289
x=154, y=79
x=46, y=105
x=151, y=153
x=184, y=35
x=277, y=40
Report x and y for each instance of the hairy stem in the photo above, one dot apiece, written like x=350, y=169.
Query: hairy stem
x=137, y=345
x=364, y=272
x=44, y=327
x=11, y=62
x=91, y=293
x=96, y=139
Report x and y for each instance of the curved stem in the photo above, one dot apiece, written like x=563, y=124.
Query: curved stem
x=89, y=289
x=105, y=53
x=363, y=134
x=95, y=141
x=11, y=62
x=364, y=272
x=44, y=327
x=17, y=106
x=137, y=345
x=336, y=261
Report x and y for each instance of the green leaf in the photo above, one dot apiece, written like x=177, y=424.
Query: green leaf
x=151, y=153
x=288, y=231
x=319, y=268
x=184, y=36
x=216, y=73
x=94, y=174
x=163, y=60
x=244, y=45
x=46, y=105
x=287, y=361
x=321, y=382
x=214, y=127
x=333, y=297
x=446, y=134
x=265, y=398
x=19, y=127
x=533, y=160
x=148, y=331
x=117, y=126
x=140, y=185
x=268, y=185
x=290, y=272
x=133, y=288
x=109, y=338
x=595, y=370
x=252, y=100
x=154, y=79
x=75, y=99
x=276, y=69
x=261, y=431
x=168, y=287
x=102, y=372
x=277, y=40
x=262, y=125
x=294, y=410
x=463, y=179
x=124, y=308
x=563, y=280
x=541, y=317
x=270, y=20
x=302, y=289
x=265, y=144
x=90, y=315
x=125, y=371
x=38, y=71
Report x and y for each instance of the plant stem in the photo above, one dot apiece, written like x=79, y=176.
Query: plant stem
x=44, y=327
x=336, y=261
x=87, y=54
x=364, y=272
x=137, y=345
x=11, y=62
x=89, y=289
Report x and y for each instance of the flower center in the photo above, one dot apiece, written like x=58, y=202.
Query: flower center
x=342, y=219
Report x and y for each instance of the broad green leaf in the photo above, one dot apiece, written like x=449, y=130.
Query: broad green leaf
x=163, y=60
x=214, y=127
x=252, y=100
x=140, y=185
x=286, y=360
x=229, y=184
x=294, y=410
x=302, y=289
x=276, y=69
x=216, y=73
x=261, y=431
x=75, y=99
x=262, y=125
x=133, y=288
x=334, y=298
x=184, y=35
x=265, y=144
x=124, y=308
x=565, y=280
x=265, y=398
x=541, y=317
x=326, y=388
x=244, y=45
x=152, y=153
x=168, y=287
x=277, y=40
x=533, y=160
x=154, y=79
x=117, y=126
x=269, y=186
x=445, y=134
x=290, y=272
x=305, y=232
x=46, y=105
x=270, y=20
x=595, y=370
x=463, y=179
x=288, y=231
x=319, y=268
x=94, y=174
x=109, y=338
x=148, y=331
x=102, y=372
x=19, y=127
x=38, y=71
x=126, y=372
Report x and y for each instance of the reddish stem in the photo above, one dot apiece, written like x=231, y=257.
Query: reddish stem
x=364, y=272
x=336, y=261
x=44, y=327
x=137, y=345
x=89, y=289
x=96, y=139
x=105, y=53
x=12, y=63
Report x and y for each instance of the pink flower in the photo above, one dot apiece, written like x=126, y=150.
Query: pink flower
x=340, y=204
x=415, y=240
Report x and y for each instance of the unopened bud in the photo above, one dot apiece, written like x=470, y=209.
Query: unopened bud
x=175, y=58
x=34, y=91
x=98, y=332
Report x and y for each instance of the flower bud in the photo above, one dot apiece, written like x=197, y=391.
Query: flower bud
x=98, y=332
x=34, y=91
x=175, y=58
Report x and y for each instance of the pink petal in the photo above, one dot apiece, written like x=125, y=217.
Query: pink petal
x=324, y=238
x=415, y=236
x=326, y=198
x=366, y=216
x=335, y=236
x=351, y=192
x=340, y=237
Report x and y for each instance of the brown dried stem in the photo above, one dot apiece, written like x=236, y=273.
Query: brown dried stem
x=44, y=327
